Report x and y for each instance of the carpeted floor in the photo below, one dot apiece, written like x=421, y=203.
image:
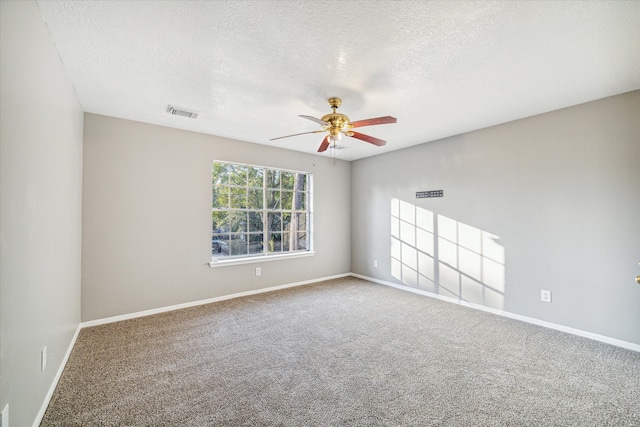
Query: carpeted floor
x=341, y=352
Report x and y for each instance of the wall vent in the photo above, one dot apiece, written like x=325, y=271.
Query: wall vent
x=179, y=111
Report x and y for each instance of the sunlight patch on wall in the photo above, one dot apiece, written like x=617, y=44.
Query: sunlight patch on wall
x=441, y=255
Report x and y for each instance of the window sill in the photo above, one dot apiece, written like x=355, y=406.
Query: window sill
x=261, y=258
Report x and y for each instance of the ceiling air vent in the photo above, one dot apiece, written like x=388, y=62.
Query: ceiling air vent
x=179, y=111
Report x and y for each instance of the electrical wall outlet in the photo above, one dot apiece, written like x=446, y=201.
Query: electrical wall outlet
x=4, y=416
x=43, y=359
x=545, y=296
x=258, y=271
x=375, y=263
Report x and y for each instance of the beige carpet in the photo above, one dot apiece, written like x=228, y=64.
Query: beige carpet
x=342, y=352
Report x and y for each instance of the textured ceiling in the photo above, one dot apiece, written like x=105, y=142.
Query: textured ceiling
x=250, y=67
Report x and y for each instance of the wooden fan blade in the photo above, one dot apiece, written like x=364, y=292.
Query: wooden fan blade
x=367, y=138
x=377, y=121
x=313, y=119
x=296, y=134
x=324, y=145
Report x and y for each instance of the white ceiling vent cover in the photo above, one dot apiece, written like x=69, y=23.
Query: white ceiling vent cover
x=179, y=111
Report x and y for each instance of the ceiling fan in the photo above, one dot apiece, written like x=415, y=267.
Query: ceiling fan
x=337, y=124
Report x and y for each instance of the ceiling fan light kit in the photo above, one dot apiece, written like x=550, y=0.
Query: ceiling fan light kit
x=337, y=124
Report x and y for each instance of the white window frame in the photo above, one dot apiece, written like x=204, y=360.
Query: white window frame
x=265, y=255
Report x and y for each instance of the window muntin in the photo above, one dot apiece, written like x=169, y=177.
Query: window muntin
x=259, y=211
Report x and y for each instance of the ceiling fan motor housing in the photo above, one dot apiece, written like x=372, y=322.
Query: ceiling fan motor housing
x=337, y=122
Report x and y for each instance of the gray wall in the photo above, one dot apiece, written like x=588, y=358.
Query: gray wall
x=40, y=190
x=147, y=218
x=549, y=202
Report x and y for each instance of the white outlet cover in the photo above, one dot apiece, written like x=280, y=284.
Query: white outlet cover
x=545, y=296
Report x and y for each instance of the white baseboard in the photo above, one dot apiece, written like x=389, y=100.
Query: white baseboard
x=204, y=301
x=567, y=329
x=56, y=379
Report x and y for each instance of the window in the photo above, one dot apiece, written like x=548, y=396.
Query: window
x=259, y=211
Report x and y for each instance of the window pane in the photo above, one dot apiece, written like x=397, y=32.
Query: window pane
x=273, y=179
x=301, y=182
x=300, y=201
x=238, y=244
x=220, y=221
x=256, y=177
x=220, y=196
x=238, y=175
x=273, y=199
x=238, y=198
x=255, y=199
x=287, y=199
x=219, y=245
x=238, y=222
x=303, y=241
x=286, y=221
x=256, y=243
x=302, y=221
x=275, y=242
x=287, y=179
x=220, y=174
x=256, y=223
x=275, y=221
x=285, y=241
